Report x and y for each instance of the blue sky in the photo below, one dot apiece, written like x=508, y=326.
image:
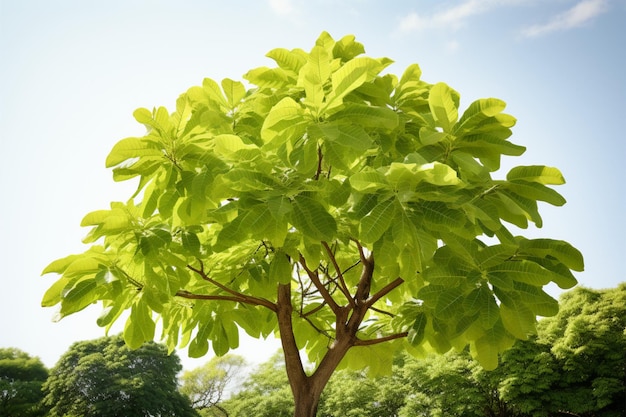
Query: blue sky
x=73, y=71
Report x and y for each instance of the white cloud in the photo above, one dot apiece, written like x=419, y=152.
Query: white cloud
x=452, y=17
x=282, y=7
x=577, y=16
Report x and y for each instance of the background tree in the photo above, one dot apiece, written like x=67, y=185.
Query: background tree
x=345, y=210
x=21, y=379
x=103, y=377
x=576, y=364
x=264, y=393
x=207, y=385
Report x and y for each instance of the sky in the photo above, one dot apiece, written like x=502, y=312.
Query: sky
x=73, y=71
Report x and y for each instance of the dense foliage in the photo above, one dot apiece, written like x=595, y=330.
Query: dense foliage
x=353, y=213
x=21, y=379
x=104, y=378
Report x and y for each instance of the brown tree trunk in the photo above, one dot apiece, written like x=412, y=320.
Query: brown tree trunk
x=306, y=389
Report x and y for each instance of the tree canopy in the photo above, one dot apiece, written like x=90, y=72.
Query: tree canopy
x=350, y=211
x=21, y=379
x=104, y=378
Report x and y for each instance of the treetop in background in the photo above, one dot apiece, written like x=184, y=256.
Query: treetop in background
x=349, y=211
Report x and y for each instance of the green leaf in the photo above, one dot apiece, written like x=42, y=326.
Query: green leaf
x=536, y=173
x=444, y=103
x=139, y=327
x=60, y=265
x=234, y=90
x=439, y=214
x=536, y=191
x=314, y=74
x=53, y=295
x=450, y=304
x=559, y=249
x=280, y=268
x=348, y=78
x=287, y=60
x=284, y=120
x=518, y=320
x=368, y=116
x=477, y=112
x=368, y=180
x=312, y=219
x=376, y=222
x=418, y=329
x=523, y=271
x=131, y=148
x=486, y=349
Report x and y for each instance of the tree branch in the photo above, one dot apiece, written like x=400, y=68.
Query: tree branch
x=322, y=289
x=235, y=296
x=370, y=342
x=384, y=291
x=243, y=299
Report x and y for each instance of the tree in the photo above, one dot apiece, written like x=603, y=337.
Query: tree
x=21, y=378
x=206, y=386
x=103, y=377
x=576, y=365
x=264, y=393
x=351, y=213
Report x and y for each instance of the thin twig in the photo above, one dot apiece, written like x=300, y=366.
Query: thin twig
x=342, y=283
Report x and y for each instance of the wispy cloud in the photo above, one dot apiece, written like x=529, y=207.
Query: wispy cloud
x=580, y=14
x=282, y=7
x=453, y=17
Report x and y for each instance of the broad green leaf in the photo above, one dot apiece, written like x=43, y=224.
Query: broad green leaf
x=518, y=320
x=53, y=295
x=280, y=268
x=536, y=191
x=268, y=77
x=285, y=119
x=60, y=265
x=536, y=173
x=312, y=219
x=450, y=304
x=417, y=330
x=82, y=266
x=131, y=148
x=314, y=74
x=559, y=249
x=444, y=103
x=523, y=271
x=228, y=145
x=347, y=48
x=287, y=60
x=478, y=112
x=348, y=78
x=234, y=90
x=213, y=91
x=368, y=180
x=439, y=214
x=368, y=116
x=376, y=222
x=486, y=349
x=139, y=327
x=81, y=295
x=438, y=174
